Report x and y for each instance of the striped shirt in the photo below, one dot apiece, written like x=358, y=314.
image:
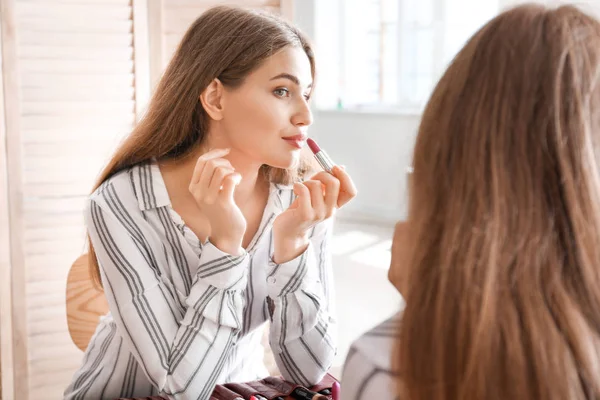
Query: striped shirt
x=367, y=371
x=185, y=316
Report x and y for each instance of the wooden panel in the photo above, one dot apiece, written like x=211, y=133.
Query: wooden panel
x=141, y=56
x=103, y=10
x=89, y=39
x=16, y=332
x=155, y=41
x=6, y=336
x=78, y=99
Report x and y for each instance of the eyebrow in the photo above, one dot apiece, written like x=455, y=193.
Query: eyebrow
x=289, y=77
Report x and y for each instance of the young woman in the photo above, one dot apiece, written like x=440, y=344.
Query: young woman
x=499, y=260
x=203, y=225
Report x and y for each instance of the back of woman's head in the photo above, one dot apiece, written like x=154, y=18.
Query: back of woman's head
x=503, y=296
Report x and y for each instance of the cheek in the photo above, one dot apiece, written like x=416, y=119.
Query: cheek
x=400, y=258
x=395, y=274
x=256, y=114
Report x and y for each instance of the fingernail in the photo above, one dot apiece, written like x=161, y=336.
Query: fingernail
x=237, y=178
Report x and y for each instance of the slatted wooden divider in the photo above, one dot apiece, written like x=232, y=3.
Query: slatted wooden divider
x=77, y=100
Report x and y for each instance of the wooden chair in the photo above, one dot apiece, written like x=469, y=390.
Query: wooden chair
x=85, y=303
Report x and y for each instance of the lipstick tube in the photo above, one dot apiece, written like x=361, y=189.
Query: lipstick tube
x=321, y=156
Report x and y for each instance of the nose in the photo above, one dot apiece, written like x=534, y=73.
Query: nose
x=302, y=116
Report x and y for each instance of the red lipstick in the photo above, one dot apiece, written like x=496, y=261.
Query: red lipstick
x=296, y=140
x=335, y=391
x=322, y=158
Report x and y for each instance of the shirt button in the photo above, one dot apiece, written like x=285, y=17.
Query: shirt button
x=271, y=280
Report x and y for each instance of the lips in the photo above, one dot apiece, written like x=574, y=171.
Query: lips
x=298, y=138
x=296, y=141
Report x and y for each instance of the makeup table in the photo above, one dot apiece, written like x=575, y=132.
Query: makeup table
x=270, y=388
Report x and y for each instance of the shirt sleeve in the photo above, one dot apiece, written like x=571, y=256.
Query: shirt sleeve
x=181, y=354
x=303, y=328
x=368, y=372
x=363, y=380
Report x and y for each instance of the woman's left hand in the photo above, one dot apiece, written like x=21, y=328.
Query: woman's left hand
x=317, y=200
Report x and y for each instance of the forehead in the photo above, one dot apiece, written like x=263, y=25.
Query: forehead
x=290, y=60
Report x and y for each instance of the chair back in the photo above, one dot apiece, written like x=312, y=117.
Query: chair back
x=85, y=303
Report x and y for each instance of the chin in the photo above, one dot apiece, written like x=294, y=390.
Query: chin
x=288, y=162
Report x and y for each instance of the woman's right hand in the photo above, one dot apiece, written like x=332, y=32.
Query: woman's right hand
x=213, y=184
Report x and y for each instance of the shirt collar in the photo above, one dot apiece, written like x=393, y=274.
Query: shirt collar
x=149, y=186
x=151, y=190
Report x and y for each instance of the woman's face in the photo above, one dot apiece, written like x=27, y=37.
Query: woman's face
x=268, y=116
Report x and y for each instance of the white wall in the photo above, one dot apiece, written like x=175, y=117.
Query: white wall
x=376, y=148
x=591, y=6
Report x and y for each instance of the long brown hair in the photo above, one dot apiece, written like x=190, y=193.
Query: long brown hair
x=503, y=293
x=225, y=43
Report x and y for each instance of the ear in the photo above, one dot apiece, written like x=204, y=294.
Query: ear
x=212, y=99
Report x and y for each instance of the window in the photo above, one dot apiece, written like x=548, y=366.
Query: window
x=377, y=54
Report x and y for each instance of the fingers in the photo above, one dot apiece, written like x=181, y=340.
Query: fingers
x=229, y=184
x=210, y=173
x=303, y=203
x=317, y=199
x=198, y=169
x=210, y=167
x=332, y=188
x=311, y=201
x=220, y=173
x=319, y=196
x=347, y=189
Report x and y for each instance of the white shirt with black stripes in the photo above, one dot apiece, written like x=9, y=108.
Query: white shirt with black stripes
x=368, y=372
x=185, y=316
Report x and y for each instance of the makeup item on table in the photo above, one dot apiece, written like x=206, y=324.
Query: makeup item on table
x=326, y=392
x=322, y=158
x=253, y=398
x=335, y=391
x=259, y=397
x=301, y=393
x=221, y=392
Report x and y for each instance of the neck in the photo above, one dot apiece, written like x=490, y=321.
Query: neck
x=251, y=182
x=251, y=178
x=248, y=168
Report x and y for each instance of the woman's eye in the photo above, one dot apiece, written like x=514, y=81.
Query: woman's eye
x=281, y=92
